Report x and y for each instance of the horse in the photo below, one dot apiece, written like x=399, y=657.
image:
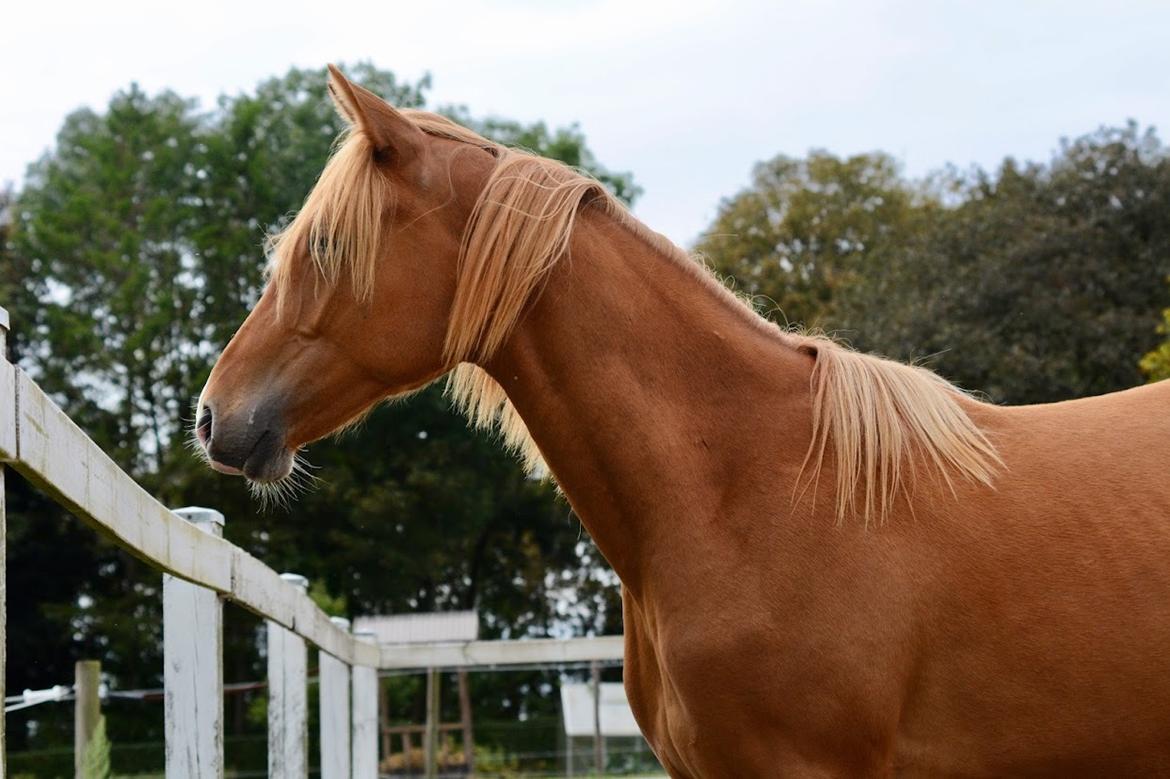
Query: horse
x=832, y=564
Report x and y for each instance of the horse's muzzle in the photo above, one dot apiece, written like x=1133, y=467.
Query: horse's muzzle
x=251, y=444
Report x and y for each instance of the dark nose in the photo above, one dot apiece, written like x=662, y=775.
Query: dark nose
x=245, y=440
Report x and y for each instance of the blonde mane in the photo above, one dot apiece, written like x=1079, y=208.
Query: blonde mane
x=871, y=415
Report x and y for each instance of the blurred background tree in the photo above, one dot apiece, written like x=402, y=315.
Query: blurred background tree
x=1037, y=283
x=806, y=229
x=1156, y=364
x=1034, y=283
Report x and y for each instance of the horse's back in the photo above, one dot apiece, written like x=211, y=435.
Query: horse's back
x=1048, y=632
x=1098, y=464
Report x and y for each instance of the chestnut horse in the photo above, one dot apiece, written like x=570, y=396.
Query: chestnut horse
x=832, y=564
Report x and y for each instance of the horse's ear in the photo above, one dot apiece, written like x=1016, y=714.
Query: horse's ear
x=393, y=136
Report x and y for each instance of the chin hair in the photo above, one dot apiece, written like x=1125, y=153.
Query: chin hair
x=280, y=493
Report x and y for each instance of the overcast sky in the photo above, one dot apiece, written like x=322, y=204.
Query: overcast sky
x=687, y=95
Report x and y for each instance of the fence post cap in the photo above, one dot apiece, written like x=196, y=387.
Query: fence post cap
x=341, y=622
x=199, y=515
x=5, y=322
x=296, y=580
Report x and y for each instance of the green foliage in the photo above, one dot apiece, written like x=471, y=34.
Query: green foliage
x=1035, y=283
x=1156, y=364
x=494, y=761
x=332, y=605
x=100, y=224
x=804, y=230
x=566, y=144
x=1039, y=283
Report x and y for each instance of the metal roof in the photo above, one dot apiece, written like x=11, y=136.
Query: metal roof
x=427, y=627
x=615, y=715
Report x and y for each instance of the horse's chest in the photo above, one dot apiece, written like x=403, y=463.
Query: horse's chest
x=679, y=693
x=720, y=694
x=670, y=718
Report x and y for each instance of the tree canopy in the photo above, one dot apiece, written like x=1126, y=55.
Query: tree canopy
x=1033, y=283
x=807, y=228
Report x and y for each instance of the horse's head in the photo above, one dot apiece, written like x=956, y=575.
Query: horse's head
x=359, y=295
x=416, y=252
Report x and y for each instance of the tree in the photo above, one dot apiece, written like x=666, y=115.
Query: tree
x=1156, y=363
x=805, y=229
x=1033, y=283
x=1040, y=283
x=101, y=222
x=11, y=273
x=566, y=144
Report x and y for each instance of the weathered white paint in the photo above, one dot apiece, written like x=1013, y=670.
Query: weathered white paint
x=334, y=710
x=7, y=410
x=487, y=653
x=53, y=453
x=193, y=667
x=598, y=741
x=288, y=702
x=365, y=716
x=255, y=582
x=340, y=645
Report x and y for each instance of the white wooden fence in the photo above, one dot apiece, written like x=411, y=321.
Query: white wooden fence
x=201, y=570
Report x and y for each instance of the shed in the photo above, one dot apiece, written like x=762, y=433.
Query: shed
x=425, y=628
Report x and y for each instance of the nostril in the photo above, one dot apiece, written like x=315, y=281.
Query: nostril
x=203, y=426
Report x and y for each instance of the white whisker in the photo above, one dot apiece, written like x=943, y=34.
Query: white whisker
x=282, y=493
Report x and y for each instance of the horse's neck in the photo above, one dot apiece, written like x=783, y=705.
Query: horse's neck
x=650, y=393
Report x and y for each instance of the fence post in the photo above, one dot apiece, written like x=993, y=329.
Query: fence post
x=465, y=719
x=334, y=700
x=365, y=716
x=3, y=548
x=384, y=721
x=431, y=734
x=87, y=680
x=288, y=698
x=598, y=739
x=193, y=667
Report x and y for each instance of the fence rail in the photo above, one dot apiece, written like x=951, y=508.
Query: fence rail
x=200, y=571
x=478, y=654
x=52, y=452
